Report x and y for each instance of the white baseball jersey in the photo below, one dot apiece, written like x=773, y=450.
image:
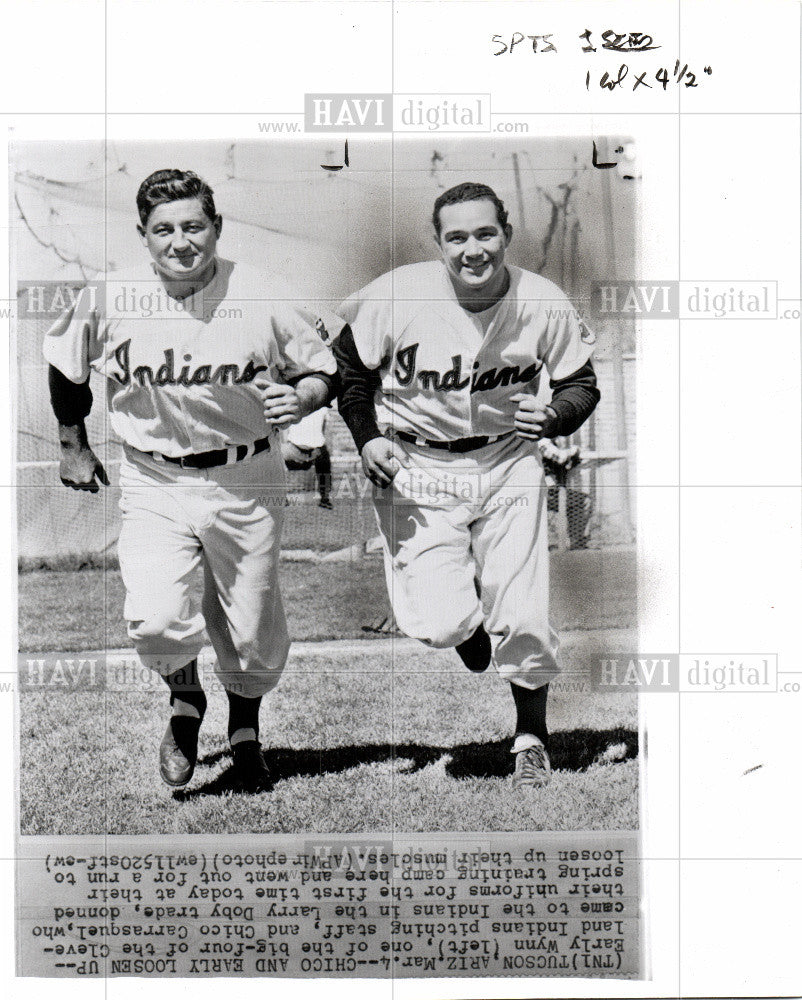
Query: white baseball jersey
x=447, y=373
x=182, y=376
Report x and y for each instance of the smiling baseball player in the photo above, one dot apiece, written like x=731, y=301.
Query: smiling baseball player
x=203, y=359
x=439, y=377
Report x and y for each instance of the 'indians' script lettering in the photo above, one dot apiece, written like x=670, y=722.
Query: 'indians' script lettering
x=406, y=372
x=225, y=374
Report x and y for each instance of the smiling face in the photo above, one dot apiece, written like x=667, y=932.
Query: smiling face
x=473, y=244
x=182, y=240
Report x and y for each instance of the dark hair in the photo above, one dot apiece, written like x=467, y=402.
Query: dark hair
x=469, y=191
x=173, y=185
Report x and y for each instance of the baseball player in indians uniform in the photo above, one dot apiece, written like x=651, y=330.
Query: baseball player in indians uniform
x=204, y=360
x=440, y=369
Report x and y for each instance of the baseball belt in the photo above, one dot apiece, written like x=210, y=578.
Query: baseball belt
x=209, y=459
x=459, y=445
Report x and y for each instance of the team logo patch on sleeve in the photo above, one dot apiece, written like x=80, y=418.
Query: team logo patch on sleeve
x=323, y=333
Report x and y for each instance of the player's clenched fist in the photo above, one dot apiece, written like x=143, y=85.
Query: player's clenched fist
x=533, y=421
x=282, y=404
x=381, y=460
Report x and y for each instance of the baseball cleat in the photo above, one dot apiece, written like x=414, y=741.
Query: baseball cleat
x=532, y=764
x=178, y=750
x=475, y=652
x=250, y=769
x=325, y=503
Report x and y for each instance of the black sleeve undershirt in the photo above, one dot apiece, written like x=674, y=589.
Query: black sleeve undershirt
x=357, y=390
x=574, y=398
x=71, y=401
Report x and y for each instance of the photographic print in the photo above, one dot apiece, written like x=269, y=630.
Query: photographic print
x=379, y=450
x=451, y=282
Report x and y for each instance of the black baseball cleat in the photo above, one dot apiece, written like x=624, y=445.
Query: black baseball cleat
x=325, y=503
x=178, y=751
x=250, y=770
x=475, y=652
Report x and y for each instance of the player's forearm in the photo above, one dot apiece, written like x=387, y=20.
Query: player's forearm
x=358, y=386
x=71, y=401
x=314, y=391
x=360, y=419
x=73, y=437
x=573, y=400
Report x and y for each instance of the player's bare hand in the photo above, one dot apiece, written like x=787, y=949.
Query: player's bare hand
x=533, y=421
x=382, y=459
x=80, y=468
x=281, y=403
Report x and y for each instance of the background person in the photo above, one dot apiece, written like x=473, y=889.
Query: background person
x=559, y=458
x=304, y=447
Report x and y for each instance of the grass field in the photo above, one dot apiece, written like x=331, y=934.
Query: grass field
x=360, y=736
x=69, y=611
x=368, y=737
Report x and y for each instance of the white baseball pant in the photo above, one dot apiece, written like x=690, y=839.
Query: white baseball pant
x=465, y=541
x=229, y=520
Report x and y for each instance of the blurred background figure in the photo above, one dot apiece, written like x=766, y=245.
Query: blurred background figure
x=305, y=446
x=558, y=459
